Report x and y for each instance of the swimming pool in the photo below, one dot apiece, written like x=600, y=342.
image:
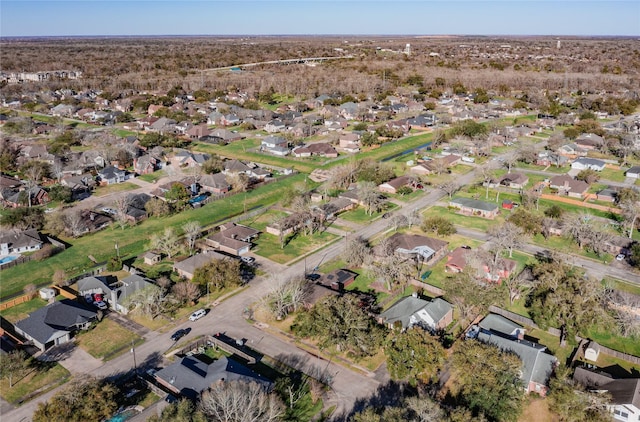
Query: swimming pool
x=123, y=416
x=7, y=259
x=198, y=199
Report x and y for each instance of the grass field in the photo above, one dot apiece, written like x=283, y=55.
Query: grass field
x=39, y=380
x=106, y=338
x=134, y=240
x=268, y=245
x=118, y=187
x=153, y=177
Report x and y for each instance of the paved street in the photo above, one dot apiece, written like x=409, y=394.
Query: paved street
x=348, y=385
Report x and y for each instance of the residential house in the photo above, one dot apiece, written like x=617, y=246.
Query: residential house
x=186, y=158
x=235, y=167
x=275, y=126
x=145, y=164
x=633, y=172
x=136, y=209
x=409, y=311
x=423, y=120
x=547, y=158
x=337, y=279
x=275, y=145
x=624, y=392
x=608, y=194
x=436, y=165
x=63, y=110
x=258, y=173
x=227, y=136
x=457, y=261
x=80, y=185
x=55, y=323
x=189, y=377
x=187, y=268
x=335, y=207
x=321, y=149
x=400, y=125
x=349, y=142
x=116, y=293
x=537, y=365
x=16, y=197
x=510, y=180
x=163, y=125
x=17, y=242
x=393, y=185
x=348, y=110
x=588, y=163
x=230, y=120
x=233, y=238
x=412, y=245
x=567, y=185
x=572, y=151
x=111, y=175
x=198, y=131
x=475, y=207
x=215, y=183
x=589, y=141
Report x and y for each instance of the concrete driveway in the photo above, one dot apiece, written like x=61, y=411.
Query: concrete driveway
x=72, y=358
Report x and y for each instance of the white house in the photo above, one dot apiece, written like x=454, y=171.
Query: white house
x=588, y=163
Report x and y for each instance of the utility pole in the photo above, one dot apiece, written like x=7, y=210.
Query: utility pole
x=133, y=351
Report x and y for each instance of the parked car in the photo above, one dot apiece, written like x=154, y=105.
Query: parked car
x=98, y=297
x=620, y=257
x=109, y=210
x=180, y=333
x=88, y=298
x=100, y=305
x=248, y=259
x=197, y=315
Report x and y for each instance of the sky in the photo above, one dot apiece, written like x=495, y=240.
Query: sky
x=318, y=17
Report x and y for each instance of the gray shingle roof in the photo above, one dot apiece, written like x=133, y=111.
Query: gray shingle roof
x=191, y=376
x=500, y=324
x=475, y=204
x=55, y=319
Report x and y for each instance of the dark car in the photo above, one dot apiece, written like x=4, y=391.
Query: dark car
x=180, y=333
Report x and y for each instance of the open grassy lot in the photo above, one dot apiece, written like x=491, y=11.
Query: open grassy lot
x=552, y=169
x=261, y=221
x=153, y=177
x=360, y=215
x=39, y=380
x=613, y=175
x=134, y=240
x=106, y=338
x=118, y=187
x=477, y=223
x=268, y=245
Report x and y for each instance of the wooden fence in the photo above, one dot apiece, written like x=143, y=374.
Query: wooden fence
x=17, y=300
x=555, y=332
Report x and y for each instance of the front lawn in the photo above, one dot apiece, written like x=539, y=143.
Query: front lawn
x=106, y=338
x=612, y=174
x=153, y=177
x=298, y=245
x=116, y=187
x=477, y=223
x=609, y=338
x=39, y=381
x=360, y=215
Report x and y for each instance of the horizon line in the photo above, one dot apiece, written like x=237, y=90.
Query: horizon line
x=318, y=35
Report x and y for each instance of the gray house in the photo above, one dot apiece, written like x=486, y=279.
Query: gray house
x=408, y=311
x=55, y=323
x=189, y=376
x=115, y=294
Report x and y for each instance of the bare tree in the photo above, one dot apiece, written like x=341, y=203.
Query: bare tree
x=122, y=204
x=13, y=365
x=191, y=230
x=286, y=295
x=626, y=309
x=509, y=160
x=506, y=236
x=370, y=196
x=449, y=187
x=398, y=221
x=391, y=271
x=356, y=251
x=150, y=301
x=186, y=291
x=630, y=212
x=74, y=223
x=237, y=401
x=239, y=181
x=165, y=242
x=486, y=172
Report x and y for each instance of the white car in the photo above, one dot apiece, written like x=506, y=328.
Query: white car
x=620, y=257
x=248, y=259
x=109, y=211
x=197, y=315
